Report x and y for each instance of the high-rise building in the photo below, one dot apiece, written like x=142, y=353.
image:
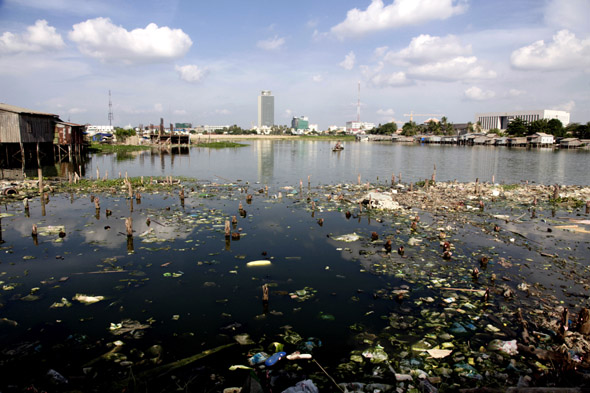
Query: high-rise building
x=266, y=109
x=300, y=123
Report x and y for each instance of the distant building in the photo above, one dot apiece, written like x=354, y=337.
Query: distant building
x=266, y=109
x=313, y=127
x=500, y=120
x=185, y=126
x=300, y=123
x=358, y=127
x=209, y=129
x=337, y=128
x=91, y=130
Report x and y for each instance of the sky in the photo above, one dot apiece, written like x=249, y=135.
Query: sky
x=206, y=62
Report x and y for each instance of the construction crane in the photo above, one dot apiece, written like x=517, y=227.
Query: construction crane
x=412, y=114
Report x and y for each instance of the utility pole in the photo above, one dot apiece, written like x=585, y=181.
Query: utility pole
x=358, y=105
x=110, y=110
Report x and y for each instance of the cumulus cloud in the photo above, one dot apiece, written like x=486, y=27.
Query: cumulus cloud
x=379, y=78
x=459, y=68
x=566, y=51
x=426, y=48
x=158, y=107
x=348, y=62
x=101, y=39
x=222, y=111
x=191, y=73
x=179, y=112
x=274, y=43
x=400, y=13
x=477, y=94
x=37, y=38
x=317, y=78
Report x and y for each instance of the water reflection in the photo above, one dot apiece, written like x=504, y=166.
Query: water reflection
x=288, y=161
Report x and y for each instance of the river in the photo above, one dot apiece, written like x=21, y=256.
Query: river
x=288, y=161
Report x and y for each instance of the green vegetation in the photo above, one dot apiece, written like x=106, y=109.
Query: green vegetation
x=510, y=187
x=122, y=133
x=219, y=144
x=108, y=148
x=385, y=129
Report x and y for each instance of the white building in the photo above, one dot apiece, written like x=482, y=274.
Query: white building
x=337, y=128
x=501, y=120
x=91, y=130
x=358, y=127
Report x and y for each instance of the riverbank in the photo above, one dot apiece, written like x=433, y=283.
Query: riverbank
x=450, y=285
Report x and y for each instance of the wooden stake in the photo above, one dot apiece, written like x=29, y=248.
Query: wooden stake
x=359, y=179
x=97, y=203
x=227, y=229
x=40, y=174
x=97, y=173
x=138, y=198
x=129, y=226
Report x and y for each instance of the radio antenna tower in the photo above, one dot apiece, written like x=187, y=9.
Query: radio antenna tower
x=110, y=110
x=358, y=105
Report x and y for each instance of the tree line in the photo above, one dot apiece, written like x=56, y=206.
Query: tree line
x=516, y=127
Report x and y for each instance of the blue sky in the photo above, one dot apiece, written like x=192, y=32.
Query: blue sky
x=205, y=62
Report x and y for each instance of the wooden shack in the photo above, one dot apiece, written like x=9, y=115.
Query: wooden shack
x=26, y=134
x=68, y=139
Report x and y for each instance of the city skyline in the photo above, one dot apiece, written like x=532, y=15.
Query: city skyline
x=205, y=64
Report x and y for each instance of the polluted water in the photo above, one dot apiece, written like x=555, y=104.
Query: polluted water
x=181, y=284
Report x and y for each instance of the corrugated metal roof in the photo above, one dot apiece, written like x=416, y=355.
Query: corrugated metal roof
x=16, y=109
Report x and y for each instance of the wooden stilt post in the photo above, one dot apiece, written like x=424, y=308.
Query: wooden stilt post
x=34, y=234
x=40, y=175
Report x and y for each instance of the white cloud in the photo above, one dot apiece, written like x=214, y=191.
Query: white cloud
x=564, y=52
x=516, y=92
x=312, y=23
x=400, y=13
x=377, y=78
x=288, y=113
x=386, y=112
x=566, y=106
x=222, y=111
x=477, y=94
x=179, y=112
x=274, y=43
x=158, y=107
x=570, y=14
x=459, y=68
x=348, y=62
x=37, y=38
x=191, y=73
x=317, y=78
x=101, y=39
x=74, y=111
x=426, y=48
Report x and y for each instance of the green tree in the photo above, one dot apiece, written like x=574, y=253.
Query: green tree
x=541, y=125
x=495, y=131
x=517, y=127
x=582, y=131
x=410, y=128
x=385, y=129
x=434, y=127
x=556, y=128
x=123, y=134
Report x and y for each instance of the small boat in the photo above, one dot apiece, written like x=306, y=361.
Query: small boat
x=338, y=147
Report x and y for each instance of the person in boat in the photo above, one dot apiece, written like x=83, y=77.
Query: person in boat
x=338, y=146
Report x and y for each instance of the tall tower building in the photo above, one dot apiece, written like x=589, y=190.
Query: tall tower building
x=266, y=109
